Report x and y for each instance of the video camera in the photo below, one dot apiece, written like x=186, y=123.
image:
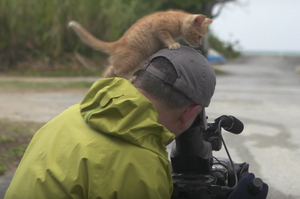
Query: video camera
x=196, y=173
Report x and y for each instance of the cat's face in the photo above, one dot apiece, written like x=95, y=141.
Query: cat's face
x=195, y=31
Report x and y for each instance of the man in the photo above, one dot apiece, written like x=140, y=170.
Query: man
x=112, y=144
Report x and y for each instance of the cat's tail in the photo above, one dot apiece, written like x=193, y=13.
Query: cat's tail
x=88, y=38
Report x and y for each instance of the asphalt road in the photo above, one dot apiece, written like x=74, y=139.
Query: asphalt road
x=262, y=91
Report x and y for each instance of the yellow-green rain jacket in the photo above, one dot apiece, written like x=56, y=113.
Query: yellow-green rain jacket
x=108, y=146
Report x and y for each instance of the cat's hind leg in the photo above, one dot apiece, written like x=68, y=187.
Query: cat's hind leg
x=109, y=72
x=120, y=73
x=125, y=64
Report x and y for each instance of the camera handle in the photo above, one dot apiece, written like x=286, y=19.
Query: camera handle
x=190, y=153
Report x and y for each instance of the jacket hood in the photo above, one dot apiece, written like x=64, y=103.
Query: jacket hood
x=115, y=107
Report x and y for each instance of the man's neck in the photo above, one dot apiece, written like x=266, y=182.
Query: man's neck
x=166, y=116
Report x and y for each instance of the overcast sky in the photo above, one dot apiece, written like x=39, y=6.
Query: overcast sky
x=261, y=25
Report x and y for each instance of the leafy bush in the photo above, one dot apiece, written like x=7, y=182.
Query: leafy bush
x=38, y=28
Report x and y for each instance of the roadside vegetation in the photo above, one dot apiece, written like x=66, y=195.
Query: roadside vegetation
x=14, y=139
x=43, y=86
x=35, y=40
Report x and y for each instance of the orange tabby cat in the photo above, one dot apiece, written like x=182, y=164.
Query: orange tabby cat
x=145, y=37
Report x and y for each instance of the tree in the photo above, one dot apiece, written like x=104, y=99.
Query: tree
x=205, y=7
x=211, y=4
x=209, y=13
x=201, y=7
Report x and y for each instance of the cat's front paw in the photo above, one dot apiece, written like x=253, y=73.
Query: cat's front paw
x=174, y=46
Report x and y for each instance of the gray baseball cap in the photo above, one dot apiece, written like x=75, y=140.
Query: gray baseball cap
x=196, y=78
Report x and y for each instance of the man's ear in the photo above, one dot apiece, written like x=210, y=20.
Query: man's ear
x=189, y=113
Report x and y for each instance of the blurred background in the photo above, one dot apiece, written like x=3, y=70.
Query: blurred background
x=35, y=40
x=253, y=46
x=34, y=37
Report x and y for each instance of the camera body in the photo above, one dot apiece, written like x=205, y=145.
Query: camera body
x=196, y=173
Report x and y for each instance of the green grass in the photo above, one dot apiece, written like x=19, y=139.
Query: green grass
x=4, y=138
x=14, y=139
x=38, y=30
x=3, y=169
x=47, y=33
x=57, y=73
x=15, y=152
x=44, y=85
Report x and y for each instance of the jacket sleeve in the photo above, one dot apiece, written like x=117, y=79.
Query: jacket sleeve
x=143, y=179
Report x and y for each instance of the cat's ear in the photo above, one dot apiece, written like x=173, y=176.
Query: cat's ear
x=207, y=21
x=198, y=20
